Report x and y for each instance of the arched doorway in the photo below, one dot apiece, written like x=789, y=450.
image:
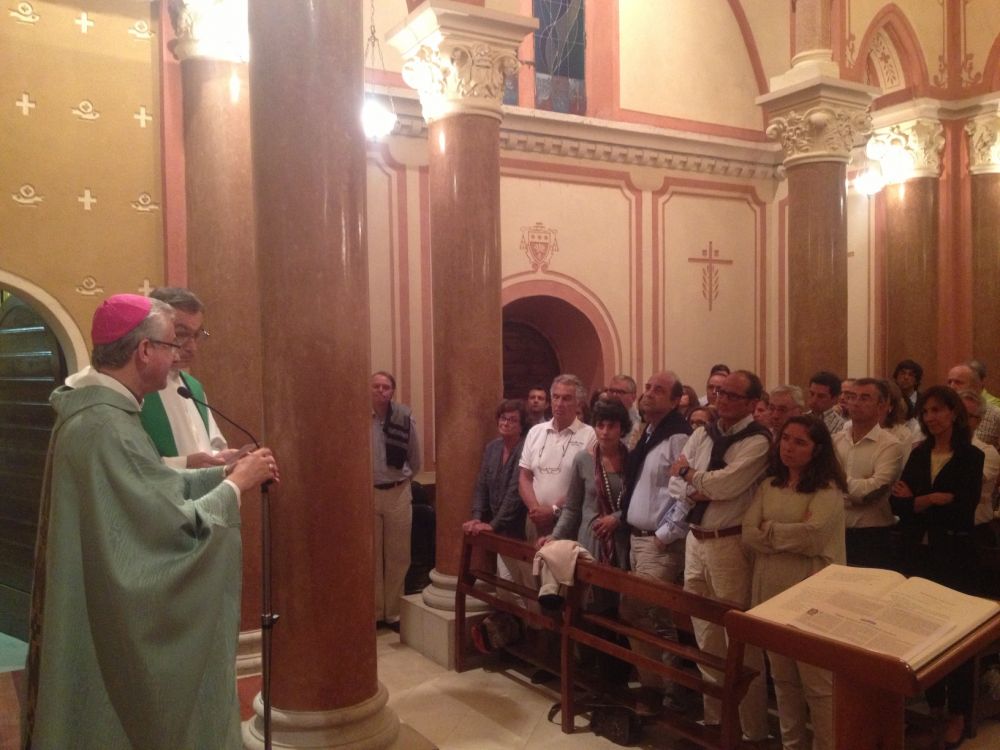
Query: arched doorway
x=545, y=328
x=32, y=364
x=529, y=360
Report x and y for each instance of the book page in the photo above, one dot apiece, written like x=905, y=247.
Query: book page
x=879, y=610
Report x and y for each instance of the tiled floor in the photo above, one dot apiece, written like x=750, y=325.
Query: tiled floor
x=480, y=709
x=501, y=710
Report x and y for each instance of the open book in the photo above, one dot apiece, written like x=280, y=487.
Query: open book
x=912, y=619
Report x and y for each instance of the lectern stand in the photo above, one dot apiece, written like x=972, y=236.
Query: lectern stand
x=869, y=689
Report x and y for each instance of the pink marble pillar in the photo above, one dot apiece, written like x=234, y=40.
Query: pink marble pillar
x=817, y=270
x=222, y=267
x=984, y=165
x=309, y=176
x=911, y=269
x=468, y=356
x=470, y=50
x=986, y=272
x=818, y=121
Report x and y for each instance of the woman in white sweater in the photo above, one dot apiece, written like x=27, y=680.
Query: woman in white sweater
x=795, y=526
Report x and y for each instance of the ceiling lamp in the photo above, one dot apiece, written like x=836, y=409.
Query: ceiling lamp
x=377, y=120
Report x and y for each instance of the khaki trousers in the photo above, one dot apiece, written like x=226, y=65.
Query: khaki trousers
x=393, y=519
x=667, y=566
x=797, y=686
x=723, y=569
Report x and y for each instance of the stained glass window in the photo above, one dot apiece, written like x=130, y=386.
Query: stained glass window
x=559, y=56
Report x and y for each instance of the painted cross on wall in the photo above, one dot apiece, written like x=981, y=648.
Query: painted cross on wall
x=710, y=272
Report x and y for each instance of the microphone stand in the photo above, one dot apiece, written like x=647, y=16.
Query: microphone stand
x=267, y=617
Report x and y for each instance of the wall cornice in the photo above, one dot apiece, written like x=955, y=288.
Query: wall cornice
x=551, y=134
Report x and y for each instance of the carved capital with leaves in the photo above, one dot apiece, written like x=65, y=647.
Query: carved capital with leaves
x=820, y=133
x=460, y=78
x=984, y=144
x=209, y=29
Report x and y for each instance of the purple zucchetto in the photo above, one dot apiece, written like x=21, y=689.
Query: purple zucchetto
x=118, y=315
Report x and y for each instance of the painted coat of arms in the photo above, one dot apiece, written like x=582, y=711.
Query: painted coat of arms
x=539, y=243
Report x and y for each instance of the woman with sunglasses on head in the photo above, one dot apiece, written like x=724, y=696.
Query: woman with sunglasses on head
x=795, y=527
x=497, y=507
x=936, y=498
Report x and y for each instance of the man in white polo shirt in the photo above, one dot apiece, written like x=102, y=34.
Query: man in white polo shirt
x=548, y=455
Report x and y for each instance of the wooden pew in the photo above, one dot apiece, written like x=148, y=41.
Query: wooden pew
x=578, y=626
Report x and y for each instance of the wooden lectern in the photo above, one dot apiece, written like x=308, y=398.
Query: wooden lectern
x=869, y=689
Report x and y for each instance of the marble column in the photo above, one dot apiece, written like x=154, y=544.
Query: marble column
x=817, y=269
x=818, y=119
x=911, y=245
x=456, y=57
x=221, y=262
x=309, y=177
x=817, y=123
x=984, y=165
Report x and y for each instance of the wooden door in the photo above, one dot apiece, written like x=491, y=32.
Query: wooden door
x=31, y=366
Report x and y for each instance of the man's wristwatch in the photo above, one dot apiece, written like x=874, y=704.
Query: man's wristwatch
x=684, y=472
x=556, y=510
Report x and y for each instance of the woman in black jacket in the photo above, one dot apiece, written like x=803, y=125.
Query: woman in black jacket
x=936, y=498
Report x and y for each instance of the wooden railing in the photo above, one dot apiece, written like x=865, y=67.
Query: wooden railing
x=574, y=624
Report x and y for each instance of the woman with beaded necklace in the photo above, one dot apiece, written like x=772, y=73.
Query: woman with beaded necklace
x=592, y=514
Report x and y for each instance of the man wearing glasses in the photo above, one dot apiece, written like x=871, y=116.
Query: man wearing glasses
x=184, y=432
x=136, y=597
x=716, y=377
x=624, y=388
x=719, y=470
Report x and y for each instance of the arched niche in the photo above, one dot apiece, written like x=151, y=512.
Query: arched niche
x=56, y=317
x=890, y=56
x=573, y=326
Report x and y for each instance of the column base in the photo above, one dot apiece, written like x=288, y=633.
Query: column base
x=440, y=594
x=369, y=725
x=431, y=631
x=248, y=659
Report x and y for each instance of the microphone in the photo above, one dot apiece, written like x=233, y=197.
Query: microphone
x=185, y=392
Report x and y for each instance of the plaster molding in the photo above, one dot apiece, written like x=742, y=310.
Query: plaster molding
x=819, y=118
x=923, y=139
x=821, y=133
x=984, y=144
x=457, y=56
x=535, y=132
x=210, y=30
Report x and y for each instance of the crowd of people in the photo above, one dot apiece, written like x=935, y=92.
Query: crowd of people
x=742, y=493
x=735, y=495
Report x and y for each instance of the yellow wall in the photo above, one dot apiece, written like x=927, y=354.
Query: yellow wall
x=81, y=133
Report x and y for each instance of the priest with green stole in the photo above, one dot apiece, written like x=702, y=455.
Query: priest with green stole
x=182, y=429
x=136, y=600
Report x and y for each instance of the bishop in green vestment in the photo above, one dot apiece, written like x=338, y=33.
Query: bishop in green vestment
x=136, y=601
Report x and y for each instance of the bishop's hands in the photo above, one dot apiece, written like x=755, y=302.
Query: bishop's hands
x=253, y=469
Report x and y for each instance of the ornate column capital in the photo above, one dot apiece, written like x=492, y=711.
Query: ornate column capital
x=818, y=119
x=984, y=143
x=922, y=140
x=820, y=133
x=210, y=29
x=457, y=55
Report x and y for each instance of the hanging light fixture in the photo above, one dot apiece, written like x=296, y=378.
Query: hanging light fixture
x=377, y=120
x=871, y=180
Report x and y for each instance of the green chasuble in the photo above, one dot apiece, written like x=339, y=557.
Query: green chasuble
x=135, y=614
x=155, y=421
